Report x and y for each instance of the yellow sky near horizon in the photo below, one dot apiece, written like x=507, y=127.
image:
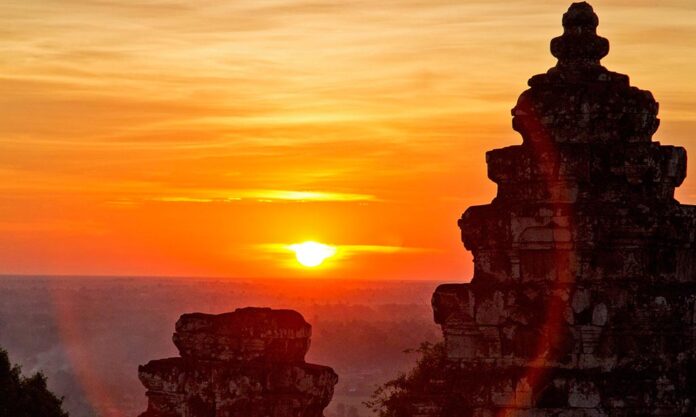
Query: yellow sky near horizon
x=183, y=138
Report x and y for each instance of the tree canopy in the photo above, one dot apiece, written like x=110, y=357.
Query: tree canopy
x=22, y=396
x=402, y=396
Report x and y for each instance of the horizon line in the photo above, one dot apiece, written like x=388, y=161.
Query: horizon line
x=232, y=278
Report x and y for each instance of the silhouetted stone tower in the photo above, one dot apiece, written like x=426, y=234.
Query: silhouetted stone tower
x=584, y=291
x=247, y=363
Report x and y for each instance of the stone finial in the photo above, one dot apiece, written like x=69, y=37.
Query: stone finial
x=579, y=45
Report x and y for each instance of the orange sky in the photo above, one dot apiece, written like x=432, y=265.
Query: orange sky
x=197, y=137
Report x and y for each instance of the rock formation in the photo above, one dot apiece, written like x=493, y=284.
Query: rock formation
x=583, y=299
x=248, y=363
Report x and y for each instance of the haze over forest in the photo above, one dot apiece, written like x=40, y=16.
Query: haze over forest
x=89, y=334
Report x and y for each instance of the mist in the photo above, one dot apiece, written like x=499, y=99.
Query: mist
x=89, y=334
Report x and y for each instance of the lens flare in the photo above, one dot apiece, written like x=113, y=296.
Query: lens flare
x=312, y=254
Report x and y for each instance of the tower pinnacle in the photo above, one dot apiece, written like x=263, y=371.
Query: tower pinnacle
x=579, y=45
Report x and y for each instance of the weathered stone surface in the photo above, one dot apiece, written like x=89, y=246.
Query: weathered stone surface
x=248, y=363
x=583, y=300
x=245, y=334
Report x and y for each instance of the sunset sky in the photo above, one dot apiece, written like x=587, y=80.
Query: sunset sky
x=200, y=138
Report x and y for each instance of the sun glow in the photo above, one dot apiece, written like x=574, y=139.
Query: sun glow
x=312, y=254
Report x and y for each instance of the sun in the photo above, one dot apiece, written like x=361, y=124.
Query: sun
x=312, y=254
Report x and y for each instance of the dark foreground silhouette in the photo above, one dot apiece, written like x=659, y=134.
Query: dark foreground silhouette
x=22, y=396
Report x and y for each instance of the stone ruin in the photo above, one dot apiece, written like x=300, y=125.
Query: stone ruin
x=583, y=299
x=248, y=363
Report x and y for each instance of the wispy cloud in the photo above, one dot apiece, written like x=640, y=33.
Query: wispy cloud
x=342, y=255
x=266, y=195
x=344, y=250
x=144, y=114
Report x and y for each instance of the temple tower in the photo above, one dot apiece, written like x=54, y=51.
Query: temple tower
x=583, y=299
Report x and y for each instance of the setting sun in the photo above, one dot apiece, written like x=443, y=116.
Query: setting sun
x=311, y=254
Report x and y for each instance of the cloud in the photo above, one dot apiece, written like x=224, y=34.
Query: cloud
x=179, y=107
x=266, y=195
x=349, y=250
x=342, y=250
x=283, y=254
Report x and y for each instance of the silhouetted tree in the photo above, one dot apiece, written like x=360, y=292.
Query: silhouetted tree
x=400, y=396
x=25, y=396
